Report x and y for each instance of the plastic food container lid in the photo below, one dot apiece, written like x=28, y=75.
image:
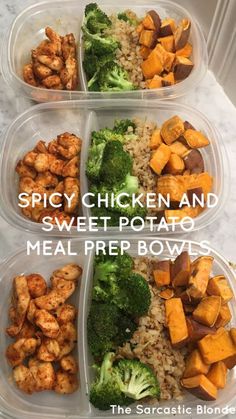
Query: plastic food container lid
x=65, y=17
x=46, y=121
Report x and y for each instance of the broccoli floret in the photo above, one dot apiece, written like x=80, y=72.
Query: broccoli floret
x=106, y=134
x=124, y=16
x=134, y=295
x=95, y=160
x=105, y=391
x=116, y=163
x=126, y=330
x=121, y=126
x=95, y=19
x=136, y=379
x=90, y=64
x=98, y=44
x=92, y=67
x=115, y=78
x=104, y=212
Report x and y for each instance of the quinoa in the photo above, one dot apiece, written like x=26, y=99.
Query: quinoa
x=151, y=344
x=128, y=55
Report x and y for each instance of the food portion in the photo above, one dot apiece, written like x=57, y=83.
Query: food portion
x=155, y=331
x=123, y=52
x=139, y=157
x=52, y=172
x=53, y=63
x=44, y=332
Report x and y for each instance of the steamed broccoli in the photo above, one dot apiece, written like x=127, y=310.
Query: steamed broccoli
x=124, y=16
x=134, y=296
x=105, y=390
x=121, y=126
x=136, y=380
x=98, y=44
x=107, y=134
x=95, y=19
x=113, y=220
x=95, y=159
x=116, y=163
x=115, y=78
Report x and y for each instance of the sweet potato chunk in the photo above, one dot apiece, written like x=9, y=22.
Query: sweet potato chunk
x=200, y=387
x=218, y=374
x=195, y=139
x=155, y=140
x=224, y=316
x=152, y=21
x=181, y=34
x=175, y=165
x=168, y=43
x=168, y=27
x=201, y=269
x=180, y=271
x=160, y=158
x=216, y=347
x=218, y=285
x=148, y=38
x=172, y=186
x=178, y=147
x=182, y=68
x=168, y=80
x=208, y=310
x=155, y=83
x=198, y=331
x=166, y=58
x=144, y=52
x=179, y=214
x=161, y=273
x=151, y=66
x=176, y=322
x=195, y=365
x=201, y=180
x=166, y=294
x=186, y=51
x=172, y=129
x=193, y=161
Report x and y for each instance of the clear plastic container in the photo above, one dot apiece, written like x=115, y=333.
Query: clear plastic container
x=14, y=404
x=45, y=121
x=65, y=17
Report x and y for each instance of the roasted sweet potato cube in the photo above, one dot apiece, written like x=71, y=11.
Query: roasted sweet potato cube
x=194, y=365
x=217, y=347
x=195, y=139
x=155, y=82
x=166, y=294
x=166, y=58
x=176, y=322
x=208, y=310
x=148, y=38
x=224, y=316
x=175, y=165
x=199, y=180
x=144, y=52
x=181, y=34
x=160, y=158
x=218, y=285
x=198, y=282
x=195, y=196
x=200, y=387
x=193, y=161
x=186, y=51
x=151, y=66
x=182, y=68
x=161, y=273
x=168, y=80
x=172, y=129
x=197, y=330
x=168, y=27
x=179, y=214
x=140, y=28
x=230, y=362
x=218, y=374
x=152, y=21
x=180, y=271
x=168, y=43
x=155, y=140
x=169, y=185
x=178, y=147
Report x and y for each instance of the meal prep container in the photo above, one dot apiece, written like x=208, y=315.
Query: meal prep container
x=27, y=31
x=46, y=121
x=14, y=404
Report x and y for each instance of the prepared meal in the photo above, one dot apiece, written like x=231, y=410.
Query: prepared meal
x=53, y=63
x=42, y=324
x=124, y=52
x=138, y=157
x=155, y=330
x=51, y=171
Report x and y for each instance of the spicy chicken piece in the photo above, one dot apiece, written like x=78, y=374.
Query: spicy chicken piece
x=47, y=180
x=25, y=171
x=50, y=301
x=65, y=383
x=47, y=323
x=65, y=313
x=28, y=75
x=19, y=350
x=71, y=168
x=20, y=302
x=67, y=145
x=29, y=186
x=49, y=350
x=58, y=215
x=56, y=165
x=69, y=364
x=24, y=379
x=71, y=272
x=72, y=189
x=67, y=339
x=29, y=158
x=43, y=373
x=31, y=311
x=27, y=331
x=69, y=74
x=41, y=147
x=63, y=287
x=41, y=71
x=53, y=82
x=52, y=62
x=55, y=39
x=37, y=285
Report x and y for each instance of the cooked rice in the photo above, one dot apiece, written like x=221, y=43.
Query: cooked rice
x=151, y=344
x=128, y=55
